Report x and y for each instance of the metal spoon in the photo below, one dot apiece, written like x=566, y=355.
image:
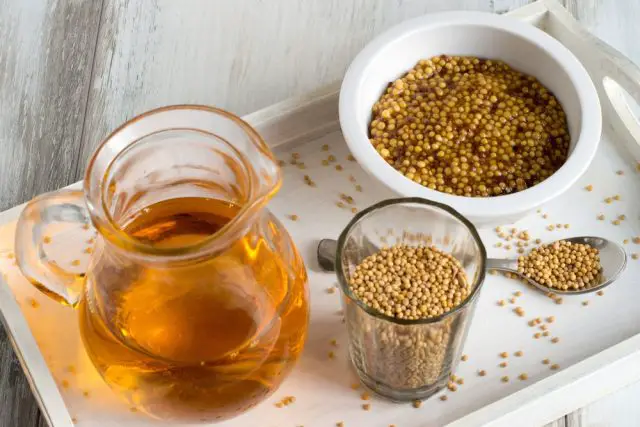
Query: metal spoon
x=612, y=258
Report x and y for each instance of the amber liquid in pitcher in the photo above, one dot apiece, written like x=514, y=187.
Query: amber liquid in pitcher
x=199, y=340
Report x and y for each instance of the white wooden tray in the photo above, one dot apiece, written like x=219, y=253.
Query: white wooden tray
x=599, y=348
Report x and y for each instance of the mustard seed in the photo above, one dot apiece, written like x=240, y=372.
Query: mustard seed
x=505, y=379
x=504, y=354
x=518, y=353
x=546, y=361
x=555, y=340
x=443, y=397
x=562, y=265
x=600, y=293
x=367, y=406
x=523, y=376
x=589, y=187
x=503, y=364
x=437, y=276
x=423, y=125
x=464, y=358
x=482, y=372
x=555, y=366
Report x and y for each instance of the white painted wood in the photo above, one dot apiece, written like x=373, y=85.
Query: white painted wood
x=240, y=55
x=619, y=409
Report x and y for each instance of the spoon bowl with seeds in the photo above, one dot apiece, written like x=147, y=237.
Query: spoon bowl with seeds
x=572, y=266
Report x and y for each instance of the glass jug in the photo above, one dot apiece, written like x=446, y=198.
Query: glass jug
x=193, y=302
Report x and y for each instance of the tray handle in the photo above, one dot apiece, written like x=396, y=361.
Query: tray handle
x=611, y=71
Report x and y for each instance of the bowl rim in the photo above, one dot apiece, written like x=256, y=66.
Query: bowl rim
x=510, y=204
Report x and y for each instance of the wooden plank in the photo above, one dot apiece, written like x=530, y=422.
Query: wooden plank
x=615, y=23
x=619, y=409
x=241, y=55
x=17, y=407
x=46, y=51
x=45, y=62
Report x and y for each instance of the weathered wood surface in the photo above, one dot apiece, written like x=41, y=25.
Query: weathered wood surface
x=71, y=71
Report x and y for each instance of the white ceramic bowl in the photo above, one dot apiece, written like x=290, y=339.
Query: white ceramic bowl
x=520, y=45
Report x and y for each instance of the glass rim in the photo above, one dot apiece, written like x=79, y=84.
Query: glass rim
x=344, y=286
x=102, y=218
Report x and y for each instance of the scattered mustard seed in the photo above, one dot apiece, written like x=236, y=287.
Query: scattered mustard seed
x=366, y=406
x=585, y=302
x=365, y=396
x=325, y=147
x=537, y=335
x=620, y=172
x=501, y=303
x=482, y=372
x=545, y=361
x=551, y=319
x=635, y=256
x=443, y=397
x=555, y=340
x=519, y=311
x=464, y=358
x=589, y=187
x=600, y=217
x=555, y=366
x=518, y=353
x=503, y=364
x=523, y=376
x=505, y=379
x=504, y=354
x=600, y=293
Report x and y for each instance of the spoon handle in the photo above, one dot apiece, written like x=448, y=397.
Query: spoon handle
x=504, y=264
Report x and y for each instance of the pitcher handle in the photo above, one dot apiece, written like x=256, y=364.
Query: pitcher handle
x=43, y=219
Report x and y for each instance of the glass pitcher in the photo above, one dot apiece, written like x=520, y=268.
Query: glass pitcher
x=193, y=302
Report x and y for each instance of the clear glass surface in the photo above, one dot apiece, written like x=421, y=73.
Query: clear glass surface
x=408, y=359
